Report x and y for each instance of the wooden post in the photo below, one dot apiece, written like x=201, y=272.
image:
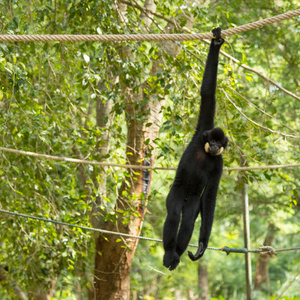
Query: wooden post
x=247, y=241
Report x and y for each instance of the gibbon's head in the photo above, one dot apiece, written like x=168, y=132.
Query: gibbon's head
x=215, y=141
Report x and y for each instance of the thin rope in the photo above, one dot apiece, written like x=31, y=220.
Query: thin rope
x=145, y=37
x=140, y=167
x=78, y=226
x=266, y=249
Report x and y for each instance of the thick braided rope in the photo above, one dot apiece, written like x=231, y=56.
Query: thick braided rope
x=145, y=37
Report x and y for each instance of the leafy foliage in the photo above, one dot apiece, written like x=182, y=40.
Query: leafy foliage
x=48, y=94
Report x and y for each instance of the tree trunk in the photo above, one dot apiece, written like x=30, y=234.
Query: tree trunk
x=103, y=117
x=114, y=255
x=262, y=265
x=203, y=281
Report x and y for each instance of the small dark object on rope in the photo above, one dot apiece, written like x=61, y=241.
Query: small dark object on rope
x=228, y=250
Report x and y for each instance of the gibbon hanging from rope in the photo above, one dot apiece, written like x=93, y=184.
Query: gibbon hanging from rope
x=198, y=174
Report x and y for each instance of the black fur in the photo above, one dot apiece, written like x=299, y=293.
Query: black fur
x=198, y=175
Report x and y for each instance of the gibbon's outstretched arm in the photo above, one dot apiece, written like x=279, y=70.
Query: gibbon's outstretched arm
x=209, y=84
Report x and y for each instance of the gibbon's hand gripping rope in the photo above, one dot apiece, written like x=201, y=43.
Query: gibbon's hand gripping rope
x=145, y=37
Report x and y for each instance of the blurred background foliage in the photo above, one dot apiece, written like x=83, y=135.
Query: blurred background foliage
x=47, y=105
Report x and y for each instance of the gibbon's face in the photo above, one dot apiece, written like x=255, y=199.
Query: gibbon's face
x=215, y=141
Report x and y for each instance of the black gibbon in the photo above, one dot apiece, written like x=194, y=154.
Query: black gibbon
x=198, y=174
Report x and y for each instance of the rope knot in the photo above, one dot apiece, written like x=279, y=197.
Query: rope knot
x=267, y=250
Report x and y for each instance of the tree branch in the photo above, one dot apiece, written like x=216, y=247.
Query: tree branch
x=261, y=110
x=145, y=10
x=253, y=122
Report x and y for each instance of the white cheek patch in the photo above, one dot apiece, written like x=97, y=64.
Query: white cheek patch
x=206, y=147
x=220, y=151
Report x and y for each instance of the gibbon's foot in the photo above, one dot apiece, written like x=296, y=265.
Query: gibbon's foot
x=199, y=252
x=217, y=34
x=171, y=260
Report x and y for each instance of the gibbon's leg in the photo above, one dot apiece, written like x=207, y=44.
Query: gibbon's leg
x=175, y=202
x=207, y=209
x=189, y=216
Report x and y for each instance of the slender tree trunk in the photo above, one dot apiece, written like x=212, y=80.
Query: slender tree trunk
x=246, y=222
x=246, y=230
x=261, y=281
x=114, y=255
x=203, y=280
x=103, y=117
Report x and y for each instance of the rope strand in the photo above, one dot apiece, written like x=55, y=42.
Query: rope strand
x=265, y=249
x=140, y=167
x=145, y=37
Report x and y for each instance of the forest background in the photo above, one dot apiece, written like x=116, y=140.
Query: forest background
x=137, y=103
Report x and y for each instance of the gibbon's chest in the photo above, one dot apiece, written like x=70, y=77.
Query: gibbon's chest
x=196, y=166
x=203, y=162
